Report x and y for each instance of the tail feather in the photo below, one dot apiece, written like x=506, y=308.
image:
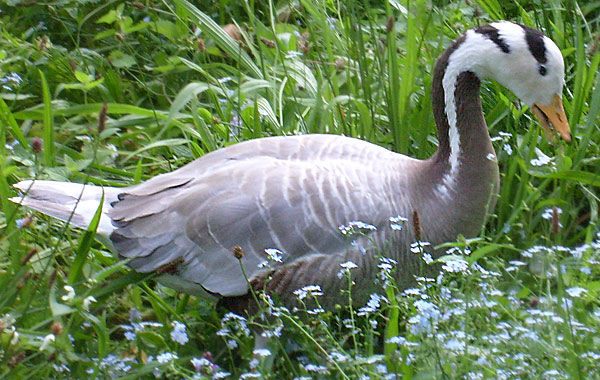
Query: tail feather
x=70, y=202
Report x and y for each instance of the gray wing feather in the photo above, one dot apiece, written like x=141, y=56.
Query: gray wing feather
x=287, y=193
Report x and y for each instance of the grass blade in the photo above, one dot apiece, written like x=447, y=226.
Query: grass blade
x=84, y=245
x=48, y=153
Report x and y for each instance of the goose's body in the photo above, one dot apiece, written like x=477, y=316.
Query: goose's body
x=293, y=193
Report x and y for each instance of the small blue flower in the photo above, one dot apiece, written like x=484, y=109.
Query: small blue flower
x=178, y=333
x=293, y=54
x=134, y=315
x=274, y=254
x=199, y=363
x=166, y=357
x=331, y=22
x=455, y=345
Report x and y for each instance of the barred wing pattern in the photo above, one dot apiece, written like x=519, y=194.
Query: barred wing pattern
x=288, y=193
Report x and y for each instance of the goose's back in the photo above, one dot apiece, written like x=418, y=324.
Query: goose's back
x=284, y=193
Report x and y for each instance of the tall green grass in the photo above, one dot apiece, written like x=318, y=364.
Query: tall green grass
x=177, y=86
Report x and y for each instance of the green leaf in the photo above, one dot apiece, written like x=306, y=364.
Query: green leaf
x=81, y=76
x=151, y=338
x=137, y=177
x=108, y=18
x=84, y=245
x=205, y=133
x=168, y=29
x=157, y=144
x=93, y=84
x=223, y=40
x=56, y=307
x=186, y=94
x=48, y=144
x=481, y=252
x=570, y=175
x=92, y=108
x=100, y=328
x=8, y=119
x=120, y=59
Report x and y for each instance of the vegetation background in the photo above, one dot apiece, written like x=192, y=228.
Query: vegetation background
x=115, y=92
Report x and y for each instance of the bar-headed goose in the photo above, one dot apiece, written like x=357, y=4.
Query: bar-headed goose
x=286, y=197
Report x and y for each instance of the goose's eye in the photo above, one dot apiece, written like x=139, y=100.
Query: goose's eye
x=542, y=70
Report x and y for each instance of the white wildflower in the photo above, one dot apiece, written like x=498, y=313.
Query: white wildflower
x=315, y=311
x=372, y=305
x=316, y=368
x=274, y=254
x=338, y=358
x=166, y=357
x=399, y=340
x=261, y=352
x=576, y=292
x=48, y=339
x=346, y=268
x=276, y=332
x=356, y=227
x=134, y=315
x=550, y=373
x=396, y=222
x=250, y=375
x=548, y=213
x=426, y=318
x=87, y=301
x=517, y=263
x=348, y=265
x=427, y=258
x=178, y=333
x=61, y=368
x=417, y=246
x=331, y=22
x=70, y=293
x=15, y=338
x=313, y=290
x=456, y=266
x=199, y=363
x=293, y=54
x=455, y=345
x=541, y=160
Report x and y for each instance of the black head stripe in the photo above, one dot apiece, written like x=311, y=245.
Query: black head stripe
x=492, y=34
x=535, y=41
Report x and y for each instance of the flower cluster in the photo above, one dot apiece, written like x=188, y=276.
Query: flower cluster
x=356, y=227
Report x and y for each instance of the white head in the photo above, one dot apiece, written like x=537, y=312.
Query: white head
x=523, y=60
x=533, y=68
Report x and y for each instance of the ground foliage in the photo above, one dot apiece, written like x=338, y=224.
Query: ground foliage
x=116, y=92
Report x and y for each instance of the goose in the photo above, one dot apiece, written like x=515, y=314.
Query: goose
x=277, y=213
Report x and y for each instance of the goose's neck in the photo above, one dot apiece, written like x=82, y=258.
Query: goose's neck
x=457, y=186
x=465, y=151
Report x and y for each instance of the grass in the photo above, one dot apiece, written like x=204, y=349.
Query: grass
x=520, y=301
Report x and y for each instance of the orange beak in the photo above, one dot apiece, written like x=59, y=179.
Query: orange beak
x=553, y=118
